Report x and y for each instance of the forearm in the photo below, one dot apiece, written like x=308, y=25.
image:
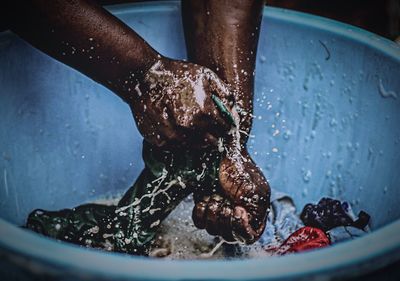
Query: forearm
x=85, y=36
x=223, y=35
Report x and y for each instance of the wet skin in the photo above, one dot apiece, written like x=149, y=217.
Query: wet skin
x=171, y=100
x=223, y=36
x=85, y=36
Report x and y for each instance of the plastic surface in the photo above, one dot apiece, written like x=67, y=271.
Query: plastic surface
x=327, y=113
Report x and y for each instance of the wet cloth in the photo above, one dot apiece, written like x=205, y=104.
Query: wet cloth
x=168, y=177
x=319, y=225
x=336, y=218
x=329, y=221
x=330, y=213
x=304, y=239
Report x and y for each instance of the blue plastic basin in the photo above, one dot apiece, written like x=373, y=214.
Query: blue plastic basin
x=332, y=91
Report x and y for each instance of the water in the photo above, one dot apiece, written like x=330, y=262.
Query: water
x=386, y=93
x=178, y=238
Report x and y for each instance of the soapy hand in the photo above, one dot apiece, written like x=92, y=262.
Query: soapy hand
x=238, y=211
x=172, y=105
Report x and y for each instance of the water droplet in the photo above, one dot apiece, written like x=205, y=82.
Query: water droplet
x=349, y=145
x=287, y=134
x=328, y=173
x=385, y=93
x=307, y=176
x=333, y=122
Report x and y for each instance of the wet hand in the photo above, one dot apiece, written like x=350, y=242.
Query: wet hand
x=238, y=211
x=173, y=105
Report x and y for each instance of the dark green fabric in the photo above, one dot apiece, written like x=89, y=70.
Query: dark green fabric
x=168, y=177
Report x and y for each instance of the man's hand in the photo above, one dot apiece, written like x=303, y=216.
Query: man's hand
x=171, y=100
x=172, y=104
x=238, y=211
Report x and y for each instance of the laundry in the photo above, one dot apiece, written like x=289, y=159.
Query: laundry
x=129, y=227
x=132, y=225
x=330, y=213
x=303, y=239
x=330, y=221
x=282, y=221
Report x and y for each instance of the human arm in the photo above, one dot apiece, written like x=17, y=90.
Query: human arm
x=223, y=36
x=85, y=36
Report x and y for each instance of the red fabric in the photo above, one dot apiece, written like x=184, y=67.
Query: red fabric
x=303, y=239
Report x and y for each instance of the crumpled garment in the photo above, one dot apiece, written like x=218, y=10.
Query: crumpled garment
x=129, y=227
x=304, y=239
x=337, y=219
x=330, y=221
x=285, y=232
x=282, y=219
x=168, y=177
x=330, y=213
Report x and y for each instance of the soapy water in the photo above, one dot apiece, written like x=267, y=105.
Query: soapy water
x=178, y=238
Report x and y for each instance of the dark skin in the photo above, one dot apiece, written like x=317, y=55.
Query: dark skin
x=171, y=100
x=83, y=35
x=223, y=36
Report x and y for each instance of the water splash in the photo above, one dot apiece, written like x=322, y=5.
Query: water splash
x=385, y=93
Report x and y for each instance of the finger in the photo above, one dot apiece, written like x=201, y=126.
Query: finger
x=227, y=178
x=162, y=116
x=254, y=195
x=212, y=214
x=199, y=213
x=225, y=222
x=241, y=228
x=222, y=90
x=147, y=124
x=262, y=191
